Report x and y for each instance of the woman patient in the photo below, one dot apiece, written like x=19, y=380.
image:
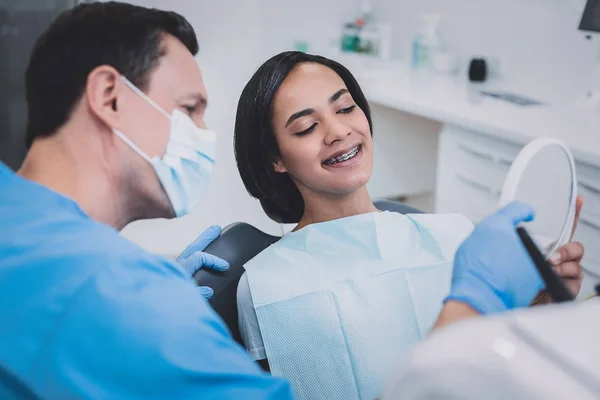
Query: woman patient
x=336, y=301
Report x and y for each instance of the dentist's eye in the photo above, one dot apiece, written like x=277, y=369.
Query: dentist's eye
x=347, y=110
x=306, y=131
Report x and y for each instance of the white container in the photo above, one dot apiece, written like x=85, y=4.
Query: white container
x=385, y=41
x=427, y=43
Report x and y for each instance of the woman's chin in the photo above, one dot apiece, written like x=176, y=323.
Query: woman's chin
x=351, y=185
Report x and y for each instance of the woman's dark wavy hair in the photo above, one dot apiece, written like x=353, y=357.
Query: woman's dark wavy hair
x=256, y=150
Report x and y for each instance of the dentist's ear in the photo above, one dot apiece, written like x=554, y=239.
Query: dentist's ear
x=101, y=94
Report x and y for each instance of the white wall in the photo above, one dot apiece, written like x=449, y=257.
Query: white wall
x=229, y=37
x=538, y=39
x=315, y=21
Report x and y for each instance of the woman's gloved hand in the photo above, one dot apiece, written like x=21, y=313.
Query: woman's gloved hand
x=492, y=270
x=193, y=258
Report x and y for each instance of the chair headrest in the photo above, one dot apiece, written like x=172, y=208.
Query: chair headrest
x=238, y=243
x=396, y=206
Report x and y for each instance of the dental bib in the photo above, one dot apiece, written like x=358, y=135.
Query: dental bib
x=339, y=302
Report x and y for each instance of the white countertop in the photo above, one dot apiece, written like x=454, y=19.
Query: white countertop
x=454, y=101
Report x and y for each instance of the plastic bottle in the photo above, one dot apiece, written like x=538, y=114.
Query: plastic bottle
x=427, y=43
x=349, y=38
x=366, y=11
x=385, y=41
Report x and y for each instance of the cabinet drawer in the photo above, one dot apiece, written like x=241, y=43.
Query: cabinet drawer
x=588, y=233
x=588, y=286
x=479, y=157
x=589, y=187
x=481, y=166
x=463, y=194
x=471, y=172
x=591, y=196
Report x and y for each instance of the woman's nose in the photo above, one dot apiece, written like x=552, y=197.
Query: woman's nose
x=336, y=131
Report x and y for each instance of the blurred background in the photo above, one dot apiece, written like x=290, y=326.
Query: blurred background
x=457, y=88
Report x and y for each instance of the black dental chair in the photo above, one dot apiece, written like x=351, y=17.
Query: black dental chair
x=240, y=242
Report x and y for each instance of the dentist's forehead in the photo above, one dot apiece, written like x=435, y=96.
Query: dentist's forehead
x=177, y=73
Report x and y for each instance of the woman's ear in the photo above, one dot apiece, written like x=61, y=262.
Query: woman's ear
x=279, y=167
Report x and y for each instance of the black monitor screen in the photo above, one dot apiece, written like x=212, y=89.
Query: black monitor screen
x=590, y=21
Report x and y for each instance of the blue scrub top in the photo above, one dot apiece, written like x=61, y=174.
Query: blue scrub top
x=84, y=313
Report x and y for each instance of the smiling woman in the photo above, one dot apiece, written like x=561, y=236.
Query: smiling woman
x=333, y=303
x=287, y=143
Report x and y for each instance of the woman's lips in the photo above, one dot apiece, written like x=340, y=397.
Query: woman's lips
x=352, y=158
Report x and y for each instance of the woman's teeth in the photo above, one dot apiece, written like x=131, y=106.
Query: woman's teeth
x=343, y=157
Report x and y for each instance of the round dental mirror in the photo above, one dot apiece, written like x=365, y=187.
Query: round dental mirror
x=543, y=176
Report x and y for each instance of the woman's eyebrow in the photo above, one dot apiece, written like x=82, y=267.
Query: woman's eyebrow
x=337, y=95
x=299, y=114
x=309, y=111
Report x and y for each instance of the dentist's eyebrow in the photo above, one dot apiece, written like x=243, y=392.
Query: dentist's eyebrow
x=299, y=114
x=337, y=95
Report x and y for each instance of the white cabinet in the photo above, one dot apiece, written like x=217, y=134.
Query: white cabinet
x=470, y=174
x=404, y=154
x=588, y=231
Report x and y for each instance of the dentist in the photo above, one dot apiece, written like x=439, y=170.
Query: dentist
x=116, y=134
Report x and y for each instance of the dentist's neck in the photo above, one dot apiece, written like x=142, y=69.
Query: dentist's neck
x=68, y=163
x=318, y=208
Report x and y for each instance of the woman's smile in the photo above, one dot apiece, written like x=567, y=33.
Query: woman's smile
x=345, y=159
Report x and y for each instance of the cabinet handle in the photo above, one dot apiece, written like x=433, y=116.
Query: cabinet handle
x=588, y=272
x=589, y=186
x=495, y=193
x=496, y=159
x=589, y=223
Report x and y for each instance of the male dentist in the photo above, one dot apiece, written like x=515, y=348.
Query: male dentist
x=116, y=133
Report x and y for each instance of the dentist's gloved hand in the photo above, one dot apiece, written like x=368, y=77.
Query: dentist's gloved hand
x=492, y=270
x=193, y=258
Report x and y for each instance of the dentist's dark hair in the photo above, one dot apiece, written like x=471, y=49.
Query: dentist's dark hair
x=256, y=150
x=124, y=36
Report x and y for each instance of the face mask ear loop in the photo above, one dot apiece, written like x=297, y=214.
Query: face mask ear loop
x=132, y=145
x=143, y=95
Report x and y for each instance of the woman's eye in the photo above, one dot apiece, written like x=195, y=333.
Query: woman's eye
x=306, y=131
x=347, y=110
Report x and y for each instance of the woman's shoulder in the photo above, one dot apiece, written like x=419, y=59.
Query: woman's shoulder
x=266, y=257
x=448, y=229
x=443, y=222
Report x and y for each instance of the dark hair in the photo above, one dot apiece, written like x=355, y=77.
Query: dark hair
x=121, y=35
x=256, y=150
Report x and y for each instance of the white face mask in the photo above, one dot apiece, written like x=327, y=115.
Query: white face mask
x=186, y=167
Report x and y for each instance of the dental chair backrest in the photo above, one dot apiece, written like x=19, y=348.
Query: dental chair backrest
x=238, y=244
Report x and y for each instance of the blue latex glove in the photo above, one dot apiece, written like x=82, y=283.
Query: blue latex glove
x=193, y=258
x=492, y=270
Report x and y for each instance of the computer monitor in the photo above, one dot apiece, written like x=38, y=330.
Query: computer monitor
x=590, y=20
